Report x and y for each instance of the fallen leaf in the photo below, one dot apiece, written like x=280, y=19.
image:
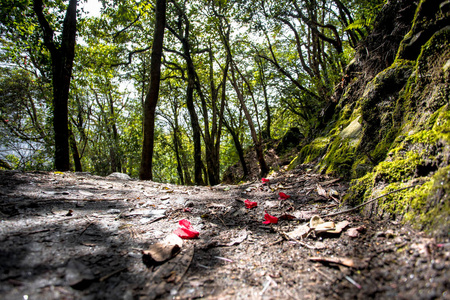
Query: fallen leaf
x=315, y=221
x=339, y=227
x=305, y=214
x=186, y=231
x=300, y=232
x=325, y=227
x=319, y=225
x=333, y=193
x=321, y=191
x=287, y=217
x=160, y=252
x=265, y=180
x=250, y=204
x=270, y=219
x=157, y=282
x=283, y=196
x=355, y=231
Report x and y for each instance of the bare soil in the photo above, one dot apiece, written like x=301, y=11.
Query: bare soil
x=79, y=236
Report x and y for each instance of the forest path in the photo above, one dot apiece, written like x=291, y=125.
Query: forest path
x=79, y=236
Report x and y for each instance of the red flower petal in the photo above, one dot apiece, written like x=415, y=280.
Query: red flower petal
x=186, y=231
x=264, y=180
x=270, y=219
x=184, y=223
x=283, y=196
x=250, y=204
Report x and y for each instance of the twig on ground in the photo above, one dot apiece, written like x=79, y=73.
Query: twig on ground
x=370, y=201
x=288, y=238
x=352, y=282
x=112, y=274
x=157, y=219
x=81, y=233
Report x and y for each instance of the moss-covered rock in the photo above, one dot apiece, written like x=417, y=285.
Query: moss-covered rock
x=396, y=134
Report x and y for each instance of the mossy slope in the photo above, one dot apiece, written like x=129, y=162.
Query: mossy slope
x=393, y=130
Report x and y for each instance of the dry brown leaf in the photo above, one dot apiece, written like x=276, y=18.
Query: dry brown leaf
x=355, y=231
x=339, y=227
x=160, y=252
x=304, y=214
x=315, y=221
x=321, y=191
x=299, y=233
x=325, y=227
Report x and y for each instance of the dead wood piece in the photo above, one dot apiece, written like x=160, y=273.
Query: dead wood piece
x=112, y=274
x=348, y=262
x=328, y=182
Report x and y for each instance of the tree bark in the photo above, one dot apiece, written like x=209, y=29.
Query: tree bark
x=62, y=62
x=183, y=36
x=195, y=130
x=151, y=99
x=75, y=153
x=257, y=142
x=238, y=146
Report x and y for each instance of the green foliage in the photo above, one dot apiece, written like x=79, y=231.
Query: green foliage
x=111, y=72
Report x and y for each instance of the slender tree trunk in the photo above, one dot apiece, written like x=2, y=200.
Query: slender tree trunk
x=239, y=149
x=198, y=163
x=62, y=62
x=195, y=131
x=151, y=98
x=176, y=144
x=266, y=130
x=116, y=162
x=75, y=153
x=258, y=147
x=182, y=34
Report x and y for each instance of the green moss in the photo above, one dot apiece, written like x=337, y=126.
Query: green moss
x=339, y=159
x=442, y=124
x=399, y=169
x=310, y=152
x=426, y=207
x=360, y=189
x=434, y=214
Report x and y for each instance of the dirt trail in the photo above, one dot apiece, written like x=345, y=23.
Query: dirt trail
x=79, y=236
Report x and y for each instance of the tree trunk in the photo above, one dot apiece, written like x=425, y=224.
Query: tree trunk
x=258, y=147
x=198, y=164
x=75, y=153
x=62, y=61
x=151, y=98
x=116, y=157
x=176, y=144
x=239, y=149
x=195, y=131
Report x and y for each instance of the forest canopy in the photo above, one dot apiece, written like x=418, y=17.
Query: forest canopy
x=234, y=75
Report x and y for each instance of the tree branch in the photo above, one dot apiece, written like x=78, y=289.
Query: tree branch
x=46, y=28
x=130, y=55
